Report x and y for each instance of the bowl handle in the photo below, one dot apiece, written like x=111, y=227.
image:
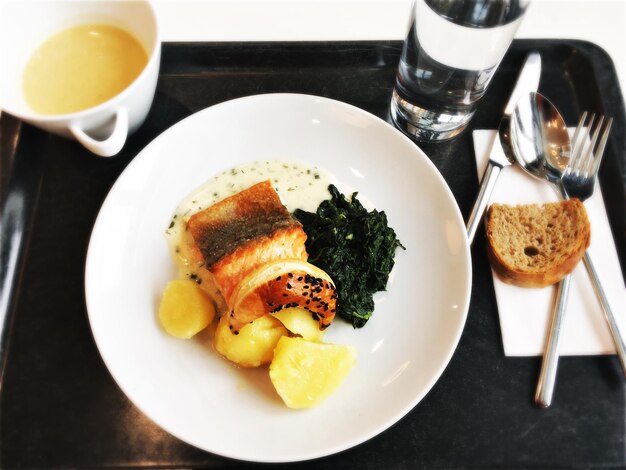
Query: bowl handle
x=111, y=145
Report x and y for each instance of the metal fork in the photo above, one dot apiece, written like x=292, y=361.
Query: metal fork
x=578, y=180
x=579, y=177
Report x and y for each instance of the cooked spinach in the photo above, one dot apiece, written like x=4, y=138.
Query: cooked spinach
x=355, y=247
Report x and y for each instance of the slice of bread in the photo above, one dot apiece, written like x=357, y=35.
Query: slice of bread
x=536, y=246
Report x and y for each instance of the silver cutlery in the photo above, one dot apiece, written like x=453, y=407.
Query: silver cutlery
x=527, y=81
x=537, y=129
x=577, y=180
x=542, y=146
x=580, y=177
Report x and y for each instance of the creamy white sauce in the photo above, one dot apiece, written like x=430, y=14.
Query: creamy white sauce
x=298, y=185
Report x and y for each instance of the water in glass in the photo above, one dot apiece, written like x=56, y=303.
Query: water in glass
x=449, y=57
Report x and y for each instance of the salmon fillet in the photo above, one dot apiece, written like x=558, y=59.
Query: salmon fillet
x=243, y=232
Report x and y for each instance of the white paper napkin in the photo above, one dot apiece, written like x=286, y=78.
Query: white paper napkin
x=525, y=313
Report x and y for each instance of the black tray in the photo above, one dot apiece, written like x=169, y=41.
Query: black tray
x=60, y=406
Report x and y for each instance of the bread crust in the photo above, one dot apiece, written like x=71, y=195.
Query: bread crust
x=516, y=271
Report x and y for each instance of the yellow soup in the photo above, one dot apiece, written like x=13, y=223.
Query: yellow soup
x=81, y=67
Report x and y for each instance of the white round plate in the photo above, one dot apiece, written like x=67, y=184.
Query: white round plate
x=197, y=396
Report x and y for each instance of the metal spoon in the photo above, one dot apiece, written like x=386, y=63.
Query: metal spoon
x=541, y=145
x=539, y=134
x=540, y=142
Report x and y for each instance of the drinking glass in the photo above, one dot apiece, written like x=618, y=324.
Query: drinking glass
x=448, y=59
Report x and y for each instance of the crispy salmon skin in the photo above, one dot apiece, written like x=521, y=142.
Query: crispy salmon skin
x=244, y=231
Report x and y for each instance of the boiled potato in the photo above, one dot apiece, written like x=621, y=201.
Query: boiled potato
x=305, y=373
x=300, y=322
x=255, y=343
x=185, y=309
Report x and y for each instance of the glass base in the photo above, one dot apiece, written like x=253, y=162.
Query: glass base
x=425, y=125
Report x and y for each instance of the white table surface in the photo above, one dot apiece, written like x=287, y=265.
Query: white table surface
x=602, y=22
